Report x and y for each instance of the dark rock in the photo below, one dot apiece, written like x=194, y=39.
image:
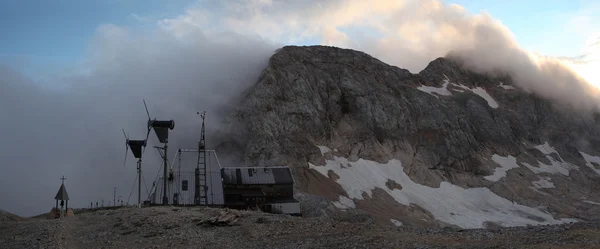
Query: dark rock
x=364, y=108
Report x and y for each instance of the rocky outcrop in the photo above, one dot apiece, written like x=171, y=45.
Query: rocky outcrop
x=444, y=124
x=9, y=217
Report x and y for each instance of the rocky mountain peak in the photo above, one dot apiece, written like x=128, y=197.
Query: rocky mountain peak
x=315, y=105
x=451, y=67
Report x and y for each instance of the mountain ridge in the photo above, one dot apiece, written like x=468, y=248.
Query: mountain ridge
x=444, y=124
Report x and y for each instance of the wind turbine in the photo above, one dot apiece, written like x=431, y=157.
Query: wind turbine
x=161, y=129
x=136, y=149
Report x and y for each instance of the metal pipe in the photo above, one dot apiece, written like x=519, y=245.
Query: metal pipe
x=140, y=183
x=216, y=157
x=178, y=153
x=205, y=176
x=211, y=179
x=179, y=176
x=165, y=198
x=188, y=150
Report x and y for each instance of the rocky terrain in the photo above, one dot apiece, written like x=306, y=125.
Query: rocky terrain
x=8, y=217
x=176, y=227
x=470, y=139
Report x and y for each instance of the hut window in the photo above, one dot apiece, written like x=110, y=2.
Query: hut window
x=250, y=172
x=184, y=185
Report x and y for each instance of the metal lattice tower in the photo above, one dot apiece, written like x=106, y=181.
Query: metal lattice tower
x=201, y=193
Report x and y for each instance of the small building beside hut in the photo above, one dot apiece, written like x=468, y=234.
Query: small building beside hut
x=270, y=189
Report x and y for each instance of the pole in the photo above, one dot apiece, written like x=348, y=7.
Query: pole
x=115, y=197
x=139, y=183
x=165, y=198
x=179, y=175
x=197, y=184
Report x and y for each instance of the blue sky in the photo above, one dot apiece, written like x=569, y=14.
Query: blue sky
x=49, y=35
x=537, y=24
x=41, y=37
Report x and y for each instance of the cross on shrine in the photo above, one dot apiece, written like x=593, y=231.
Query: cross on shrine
x=63, y=179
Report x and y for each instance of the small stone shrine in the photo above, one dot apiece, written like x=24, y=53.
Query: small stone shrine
x=63, y=197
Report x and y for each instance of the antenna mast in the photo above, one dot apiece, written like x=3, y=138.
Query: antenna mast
x=201, y=176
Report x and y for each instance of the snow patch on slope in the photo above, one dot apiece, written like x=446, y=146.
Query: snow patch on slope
x=546, y=149
x=445, y=92
x=397, y=222
x=324, y=149
x=479, y=91
x=591, y=202
x=482, y=93
x=506, y=163
x=441, y=90
x=467, y=208
x=589, y=159
x=555, y=167
x=344, y=203
x=507, y=87
x=544, y=182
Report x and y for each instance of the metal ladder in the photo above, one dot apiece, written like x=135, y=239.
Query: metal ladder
x=201, y=183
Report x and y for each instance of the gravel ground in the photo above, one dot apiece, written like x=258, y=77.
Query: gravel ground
x=163, y=227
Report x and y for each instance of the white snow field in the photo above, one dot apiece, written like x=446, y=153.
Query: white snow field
x=555, y=167
x=444, y=91
x=441, y=90
x=397, y=222
x=591, y=159
x=506, y=163
x=543, y=182
x=507, y=87
x=482, y=93
x=467, y=208
x=344, y=203
x=591, y=202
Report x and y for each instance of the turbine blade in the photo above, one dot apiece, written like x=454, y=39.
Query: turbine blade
x=147, y=135
x=124, y=134
x=126, y=152
x=146, y=106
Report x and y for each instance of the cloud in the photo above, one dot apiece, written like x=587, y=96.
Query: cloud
x=139, y=18
x=76, y=130
x=409, y=34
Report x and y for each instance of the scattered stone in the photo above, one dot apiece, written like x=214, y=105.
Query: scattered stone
x=227, y=217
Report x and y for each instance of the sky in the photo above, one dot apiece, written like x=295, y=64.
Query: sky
x=74, y=73
x=48, y=36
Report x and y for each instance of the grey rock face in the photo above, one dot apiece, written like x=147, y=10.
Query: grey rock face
x=350, y=101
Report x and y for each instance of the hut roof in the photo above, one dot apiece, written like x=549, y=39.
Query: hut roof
x=62, y=194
